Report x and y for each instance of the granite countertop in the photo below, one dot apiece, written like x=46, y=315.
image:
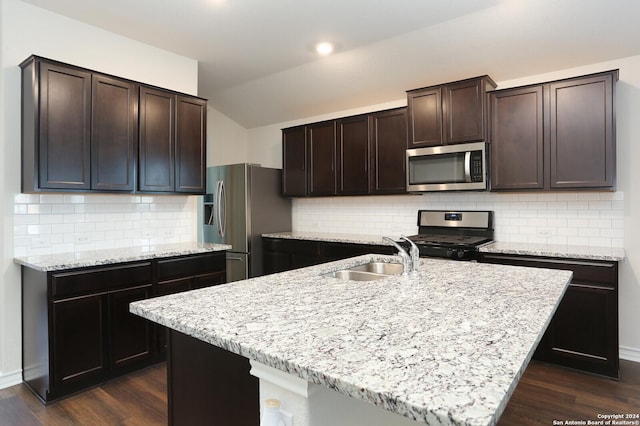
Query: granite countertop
x=446, y=345
x=57, y=262
x=330, y=237
x=616, y=254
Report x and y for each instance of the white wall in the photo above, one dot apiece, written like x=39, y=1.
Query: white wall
x=27, y=30
x=584, y=218
x=227, y=141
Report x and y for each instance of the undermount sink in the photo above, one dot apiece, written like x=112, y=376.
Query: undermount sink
x=368, y=271
x=380, y=268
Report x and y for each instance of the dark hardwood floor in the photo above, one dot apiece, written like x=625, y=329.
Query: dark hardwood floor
x=545, y=393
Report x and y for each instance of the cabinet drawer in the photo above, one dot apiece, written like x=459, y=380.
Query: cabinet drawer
x=99, y=279
x=174, y=286
x=190, y=265
x=292, y=246
x=599, y=273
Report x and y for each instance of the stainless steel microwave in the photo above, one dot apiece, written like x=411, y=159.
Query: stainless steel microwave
x=447, y=168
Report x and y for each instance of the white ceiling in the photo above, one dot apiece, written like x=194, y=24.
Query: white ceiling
x=256, y=59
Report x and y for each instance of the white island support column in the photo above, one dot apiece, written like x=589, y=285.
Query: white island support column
x=314, y=405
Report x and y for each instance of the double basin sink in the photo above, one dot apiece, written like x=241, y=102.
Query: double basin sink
x=368, y=271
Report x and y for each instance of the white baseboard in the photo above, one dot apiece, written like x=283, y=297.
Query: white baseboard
x=10, y=379
x=630, y=354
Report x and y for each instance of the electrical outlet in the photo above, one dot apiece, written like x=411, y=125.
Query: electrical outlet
x=544, y=232
x=82, y=239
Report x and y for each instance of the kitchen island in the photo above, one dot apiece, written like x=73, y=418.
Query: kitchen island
x=445, y=345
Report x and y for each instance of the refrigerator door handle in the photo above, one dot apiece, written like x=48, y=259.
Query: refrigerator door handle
x=222, y=209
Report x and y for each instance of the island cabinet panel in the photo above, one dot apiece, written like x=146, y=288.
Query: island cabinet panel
x=283, y=254
x=294, y=162
x=77, y=328
x=555, y=136
x=449, y=113
x=218, y=391
x=583, y=333
x=91, y=132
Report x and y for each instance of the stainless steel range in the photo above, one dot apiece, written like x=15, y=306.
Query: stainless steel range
x=453, y=234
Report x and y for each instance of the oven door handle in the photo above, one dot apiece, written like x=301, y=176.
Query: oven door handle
x=467, y=166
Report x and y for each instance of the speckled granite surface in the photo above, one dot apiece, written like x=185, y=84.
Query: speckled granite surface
x=444, y=346
x=329, y=237
x=556, y=250
x=552, y=250
x=57, y=262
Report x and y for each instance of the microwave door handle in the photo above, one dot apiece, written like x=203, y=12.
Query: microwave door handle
x=467, y=166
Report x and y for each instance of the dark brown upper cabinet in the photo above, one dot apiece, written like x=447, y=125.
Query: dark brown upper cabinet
x=517, y=137
x=388, y=153
x=582, y=132
x=191, y=145
x=172, y=156
x=321, y=160
x=449, y=113
x=81, y=129
x=294, y=162
x=157, y=140
x=358, y=155
x=114, y=127
x=353, y=155
x=554, y=136
x=56, y=127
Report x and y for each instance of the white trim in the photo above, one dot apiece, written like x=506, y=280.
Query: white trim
x=284, y=380
x=10, y=379
x=630, y=354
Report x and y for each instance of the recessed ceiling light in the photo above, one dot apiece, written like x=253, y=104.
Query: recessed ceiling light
x=324, y=48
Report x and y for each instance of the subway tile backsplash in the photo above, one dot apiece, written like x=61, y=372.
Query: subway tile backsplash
x=574, y=218
x=59, y=223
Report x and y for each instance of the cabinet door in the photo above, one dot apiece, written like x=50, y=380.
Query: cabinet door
x=425, y=117
x=584, y=331
x=294, y=162
x=321, y=141
x=463, y=107
x=157, y=140
x=517, y=138
x=388, y=157
x=191, y=141
x=353, y=153
x=78, y=352
x=65, y=128
x=114, y=133
x=582, y=133
x=129, y=334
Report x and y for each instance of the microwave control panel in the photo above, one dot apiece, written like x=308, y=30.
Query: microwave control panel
x=476, y=166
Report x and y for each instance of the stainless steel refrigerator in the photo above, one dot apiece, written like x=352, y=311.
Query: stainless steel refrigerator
x=242, y=202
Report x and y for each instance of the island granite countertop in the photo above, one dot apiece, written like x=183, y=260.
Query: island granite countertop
x=615, y=254
x=445, y=345
x=62, y=261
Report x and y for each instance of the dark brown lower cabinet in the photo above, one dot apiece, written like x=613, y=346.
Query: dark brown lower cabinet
x=583, y=333
x=283, y=254
x=208, y=385
x=77, y=328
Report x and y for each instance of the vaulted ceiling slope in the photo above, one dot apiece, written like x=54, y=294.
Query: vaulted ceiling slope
x=258, y=67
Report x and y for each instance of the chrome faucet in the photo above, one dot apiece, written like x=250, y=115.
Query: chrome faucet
x=413, y=252
x=407, y=265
